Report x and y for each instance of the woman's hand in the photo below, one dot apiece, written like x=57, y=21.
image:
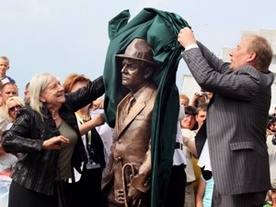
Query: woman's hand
x=54, y=143
x=98, y=104
x=98, y=119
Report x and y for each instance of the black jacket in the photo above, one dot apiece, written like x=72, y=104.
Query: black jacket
x=37, y=169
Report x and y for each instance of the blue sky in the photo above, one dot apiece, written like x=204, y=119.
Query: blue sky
x=70, y=36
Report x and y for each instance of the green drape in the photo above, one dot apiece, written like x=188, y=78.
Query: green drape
x=160, y=29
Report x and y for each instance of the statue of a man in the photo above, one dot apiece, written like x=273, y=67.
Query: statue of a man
x=127, y=179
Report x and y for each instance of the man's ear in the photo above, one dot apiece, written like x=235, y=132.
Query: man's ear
x=148, y=72
x=251, y=57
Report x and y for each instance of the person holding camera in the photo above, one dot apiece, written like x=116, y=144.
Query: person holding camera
x=201, y=97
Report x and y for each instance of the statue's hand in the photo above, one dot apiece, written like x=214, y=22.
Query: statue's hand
x=134, y=196
x=120, y=194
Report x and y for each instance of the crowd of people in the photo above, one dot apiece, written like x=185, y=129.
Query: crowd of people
x=60, y=152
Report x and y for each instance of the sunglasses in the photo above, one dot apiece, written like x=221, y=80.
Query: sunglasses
x=12, y=109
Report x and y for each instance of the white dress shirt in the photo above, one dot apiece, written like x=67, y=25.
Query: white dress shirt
x=178, y=156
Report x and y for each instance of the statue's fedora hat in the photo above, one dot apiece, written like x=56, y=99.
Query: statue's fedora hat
x=138, y=49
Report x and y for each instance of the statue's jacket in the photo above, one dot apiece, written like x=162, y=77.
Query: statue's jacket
x=132, y=141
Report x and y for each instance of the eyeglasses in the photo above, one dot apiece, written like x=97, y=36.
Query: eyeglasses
x=12, y=109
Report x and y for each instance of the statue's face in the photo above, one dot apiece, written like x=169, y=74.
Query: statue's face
x=133, y=74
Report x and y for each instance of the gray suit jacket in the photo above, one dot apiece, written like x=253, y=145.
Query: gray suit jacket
x=236, y=121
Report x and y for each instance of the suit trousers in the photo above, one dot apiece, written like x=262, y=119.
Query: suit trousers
x=247, y=199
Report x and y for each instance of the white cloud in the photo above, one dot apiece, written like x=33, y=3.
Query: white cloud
x=36, y=8
x=12, y=11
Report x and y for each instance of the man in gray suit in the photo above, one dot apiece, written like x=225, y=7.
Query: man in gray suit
x=237, y=116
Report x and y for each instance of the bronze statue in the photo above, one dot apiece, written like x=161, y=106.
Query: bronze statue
x=127, y=178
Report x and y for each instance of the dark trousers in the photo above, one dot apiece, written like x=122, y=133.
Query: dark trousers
x=247, y=199
x=88, y=190
x=20, y=196
x=176, y=189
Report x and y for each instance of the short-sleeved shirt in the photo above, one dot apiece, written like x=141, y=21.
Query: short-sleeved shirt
x=7, y=163
x=7, y=79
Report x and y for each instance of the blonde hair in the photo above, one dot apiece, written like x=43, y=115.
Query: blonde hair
x=5, y=59
x=18, y=100
x=37, y=85
x=184, y=97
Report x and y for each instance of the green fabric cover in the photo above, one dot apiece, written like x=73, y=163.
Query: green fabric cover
x=160, y=29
